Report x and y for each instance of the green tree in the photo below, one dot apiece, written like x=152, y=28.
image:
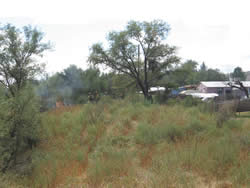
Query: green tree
x=19, y=49
x=215, y=75
x=208, y=74
x=19, y=109
x=139, y=51
x=239, y=74
x=203, y=67
x=185, y=74
x=19, y=128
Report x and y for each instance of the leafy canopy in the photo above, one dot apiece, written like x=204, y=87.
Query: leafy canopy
x=239, y=74
x=19, y=50
x=139, y=51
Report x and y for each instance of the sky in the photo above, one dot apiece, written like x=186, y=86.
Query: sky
x=216, y=32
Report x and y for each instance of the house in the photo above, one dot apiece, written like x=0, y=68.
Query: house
x=222, y=88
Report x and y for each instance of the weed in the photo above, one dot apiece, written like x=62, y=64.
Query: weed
x=146, y=134
x=107, y=165
x=119, y=143
x=195, y=127
x=234, y=124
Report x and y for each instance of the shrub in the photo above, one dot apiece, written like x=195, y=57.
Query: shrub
x=19, y=128
x=225, y=112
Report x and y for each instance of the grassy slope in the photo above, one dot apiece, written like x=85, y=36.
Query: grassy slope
x=119, y=143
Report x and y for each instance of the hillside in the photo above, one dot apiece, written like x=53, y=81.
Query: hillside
x=133, y=144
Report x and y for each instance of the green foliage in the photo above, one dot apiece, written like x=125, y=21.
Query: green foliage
x=205, y=74
x=107, y=164
x=117, y=142
x=73, y=85
x=188, y=73
x=18, y=50
x=214, y=75
x=94, y=113
x=123, y=54
x=195, y=127
x=19, y=108
x=19, y=127
x=234, y=124
x=239, y=74
x=240, y=174
x=147, y=134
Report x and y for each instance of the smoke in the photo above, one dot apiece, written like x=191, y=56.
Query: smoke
x=72, y=85
x=66, y=85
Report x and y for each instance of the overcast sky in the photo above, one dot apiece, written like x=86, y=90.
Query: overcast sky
x=214, y=31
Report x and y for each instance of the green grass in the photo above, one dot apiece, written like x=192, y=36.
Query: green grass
x=119, y=143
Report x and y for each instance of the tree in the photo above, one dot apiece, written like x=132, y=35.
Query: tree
x=19, y=108
x=208, y=74
x=215, y=75
x=19, y=128
x=239, y=74
x=19, y=50
x=124, y=53
x=185, y=74
x=203, y=67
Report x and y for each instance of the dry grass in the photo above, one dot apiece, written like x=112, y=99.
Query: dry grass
x=125, y=144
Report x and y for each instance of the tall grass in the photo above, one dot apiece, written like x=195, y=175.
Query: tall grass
x=118, y=143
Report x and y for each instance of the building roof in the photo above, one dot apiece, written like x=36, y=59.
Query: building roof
x=222, y=84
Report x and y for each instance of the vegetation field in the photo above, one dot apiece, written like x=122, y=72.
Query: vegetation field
x=126, y=143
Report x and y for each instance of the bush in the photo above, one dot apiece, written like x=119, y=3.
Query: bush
x=19, y=128
x=225, y=112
